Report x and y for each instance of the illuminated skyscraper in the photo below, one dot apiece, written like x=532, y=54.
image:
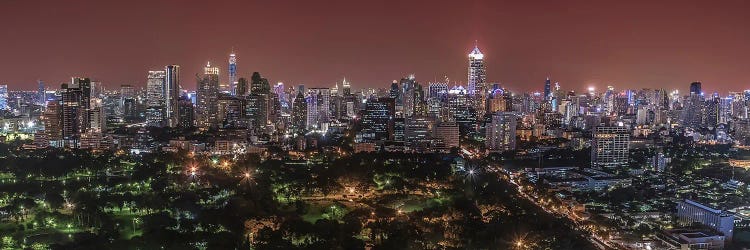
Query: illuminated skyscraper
x=172, y=94
x=299, y=112
x=156, y=110
x=695, y=88
x=4, y=97
x=41, y=98
x=208, y=97
x=476, y=81
x=477, y=76
x=233, y=73
x=547, y=89
x=76, y=101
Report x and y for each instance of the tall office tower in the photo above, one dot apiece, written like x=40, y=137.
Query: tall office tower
x=408, y=86
x=155, y=99
x=258, y=102
x=695, y=88
x=128, y=104
x=547, y=89
x=281, y=94
x=610, y=147
x=377, y=120
x=40, y=93
x=241, y=87
x=76, y=102
x=186, y=112
x=476, y=74
x=712, y=111
x=318, y=108
x=53, y=122
x=420, y=102
x=500, y=133
x=208, y=98
x=4, y=97
x=694, y=107
x=609, y=100
x=346, y=88
x=97, y=117
x=299, y=113
x=477, y=82
x=172, y=94
x=233, y=73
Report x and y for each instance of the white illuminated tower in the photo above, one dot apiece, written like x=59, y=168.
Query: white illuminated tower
x=233, y=73
x=476, y=82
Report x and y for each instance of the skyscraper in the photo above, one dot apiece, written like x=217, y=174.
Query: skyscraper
x=186, y=118
x=4, y=97
x=258, y=102
x=476, y=74
x=41, y=98
x=233, y=73
x=318, y=108
x=241, y=89
x=547, y=89
x=695, y=88
x=477, y=89
x=155, y=99
x=299, y=112
x=377, y=120
x=172, y=94
x=76, y=101
x=208, y=97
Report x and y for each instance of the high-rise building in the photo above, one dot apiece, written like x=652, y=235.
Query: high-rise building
x=500, y=133
x=76, y=102
x=208, y=98
x=233, y=73
x=4, y=97
x=377, y=120
x=155, y=99
x=346, y=88
x=299, y=112
x=257, y=109
x=610, y=146
x=186, y=112
x=53, y=122
x=241, y=89
x=318, y=108
x=477, y=88
x=476, y=74
x=41, y=97
x=547, y=89
x=172, y=94
x=695, y=88
x=409, y=101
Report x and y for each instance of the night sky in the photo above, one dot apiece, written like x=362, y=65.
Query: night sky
x=627, y=44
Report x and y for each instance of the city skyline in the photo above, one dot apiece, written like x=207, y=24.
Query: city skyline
x=629, y=45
